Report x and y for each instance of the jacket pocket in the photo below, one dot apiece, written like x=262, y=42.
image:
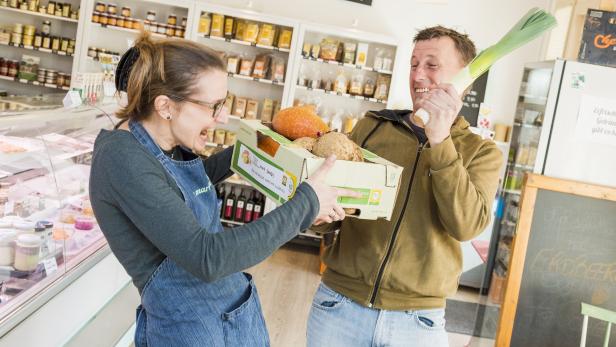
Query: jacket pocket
x=245, y=325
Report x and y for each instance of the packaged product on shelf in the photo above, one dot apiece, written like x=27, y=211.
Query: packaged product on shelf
x=162, y=29
x=28, y=67
x=103, y=19
x=126, y=11
x=170, y=30
x=233, y=64
x=266, y=35
x=96, y=17
x=369, y=87
x=229, y=138
x=284, y=39
x=251, y=32
x=252, y=108
x=378, y=59
x=121, y=22
x=382, y=87
x=341, y=82
x=302, y=79
x=276, y=107
x=306, y=50
x=239, y=107
x=27, y=252
x=112, y=9
x=267, y=111
x=240, y=28
x=315, y=79
x=151, y=16
x=172, y=19
x=246, y=66
x=205, y=22
x=261, y=66
x=349, y=123
x=229, y=27
x=315, y=51
x=388, y=61
x=113, y=20
x=219, y=136
x=349, y=53
x=218, y=24
x=229, y=102
x=278, y=69
x=5, y=37
x=209, y=135
x=330, y=49
x=356, y=87
x=361, y=57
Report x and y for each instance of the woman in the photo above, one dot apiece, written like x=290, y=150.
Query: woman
x=156, y=205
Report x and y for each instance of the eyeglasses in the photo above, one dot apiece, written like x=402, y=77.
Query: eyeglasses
x=216, y=107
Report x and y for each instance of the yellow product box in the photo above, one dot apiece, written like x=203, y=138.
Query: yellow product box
x=274, y=166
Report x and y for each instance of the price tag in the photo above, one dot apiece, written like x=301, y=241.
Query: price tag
x=23, y=80
x=50, y=266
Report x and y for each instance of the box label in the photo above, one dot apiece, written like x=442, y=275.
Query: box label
x=369, y=197
x=279, y=184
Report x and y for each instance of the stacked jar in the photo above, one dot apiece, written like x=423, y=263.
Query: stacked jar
x=110, y=15
x=9, y=67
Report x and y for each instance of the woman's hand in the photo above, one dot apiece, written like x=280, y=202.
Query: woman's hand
x=329, y=210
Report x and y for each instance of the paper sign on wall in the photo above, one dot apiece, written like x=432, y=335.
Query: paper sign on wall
x=597, y=120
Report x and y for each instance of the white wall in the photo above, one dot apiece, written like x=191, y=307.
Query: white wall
x=484, y=20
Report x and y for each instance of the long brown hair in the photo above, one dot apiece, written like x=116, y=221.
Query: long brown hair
x=164, y=67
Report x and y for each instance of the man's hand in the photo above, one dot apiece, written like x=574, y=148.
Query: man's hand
x=443, y=103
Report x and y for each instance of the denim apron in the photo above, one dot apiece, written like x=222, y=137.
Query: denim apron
x=179, y=309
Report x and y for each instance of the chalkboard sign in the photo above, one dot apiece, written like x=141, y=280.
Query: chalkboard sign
x=564, y=254
x=472, y=100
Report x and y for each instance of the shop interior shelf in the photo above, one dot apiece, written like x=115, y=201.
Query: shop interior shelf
x=260, y=80
x=32, y=48
x=352, y=66
x=35, y=83
x=232, y=222
x=357, y=97
x=134, y=31
x=45, y=15
x=525, y=125
x=245, y=43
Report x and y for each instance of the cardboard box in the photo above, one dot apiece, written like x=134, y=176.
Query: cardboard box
x=599, y=38
x=274, y=166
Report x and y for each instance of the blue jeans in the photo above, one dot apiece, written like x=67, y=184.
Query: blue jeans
x=337, y=321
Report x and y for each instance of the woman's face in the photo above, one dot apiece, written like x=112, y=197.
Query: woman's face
x=193, y=118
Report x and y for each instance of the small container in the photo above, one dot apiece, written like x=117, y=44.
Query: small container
x=184, y=20
x=66, y=10
x=205, y=22
x=27, y=40
x=84, y=223
x=96, y=17
x=120, y=22
x=100, y=7
x=42, y=9
x=153, y=27
x=104, y=19
x=46, y=28
x=46, y=42
x=179, y=31
x=60, y=79
x=162, y=29
x=55, y=43
x=170, y=30
x=23, y=6
x=51, y=8
x=74, y=14
x=13, y=3
x=64, y=44
x=172, y=19
x=128, y=23
x=16, y=38
x=151, y=16
x=67, y=80
x=18, y=28
x=7, y=248
x=58, y=12
x=229, y=26
x=112, y=9
x=40, y=77
x=13, y=67
x=4, y=69
x=4, y=3
x=126, y=11
x=27, y=252
x=92, y=52
x=29, y=30
x=113, y=20
x=32, y=5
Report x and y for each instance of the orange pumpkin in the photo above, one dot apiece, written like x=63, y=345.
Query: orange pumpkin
x=299, y=121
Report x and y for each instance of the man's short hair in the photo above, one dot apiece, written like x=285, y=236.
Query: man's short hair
x=464, y=45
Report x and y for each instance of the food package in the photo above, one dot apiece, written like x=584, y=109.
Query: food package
x=306, y=50
x=361, y=58
x=261, y=66
x=284, y=39
x=330, y=49
x=266, y=35
x=341, y=83
x=28, y=68
x=349, y=53
x=229, y=138
x=251, y=32
x=233, y=64
x=369, y=87
x=278, y=69
x=356, y=87
x=240, y=28
x=218, y=25
x=229, y=102
x=382, y=87
x=239, y=107
x=219, y=136
x=246, y=66
x=267, y=111
x=229, y=27
x=252, y=108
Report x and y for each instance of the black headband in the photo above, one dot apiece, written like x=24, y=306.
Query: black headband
x=124, y=67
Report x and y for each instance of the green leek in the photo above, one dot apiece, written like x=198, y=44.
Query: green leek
x=529, y=27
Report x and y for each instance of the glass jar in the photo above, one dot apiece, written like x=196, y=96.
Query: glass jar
x=100, y=7
x=64, y=45
x=112, y=9
x=32, y=5
x=40, y=76
x=4, y=67
x=172, y=19
x=60, y=79
x=51, y=8
x=13, y=67
x=29, y=30
x=58, y=11
x=103, y=19
x=13, y=3
x=184, y=20
x=151, y=16
x=18, y=28
x=27, y=40
x=153, y=27
x=23, y=6
x=42, y=9
x=67, y=80
x=7, y=250
x=205, y=22
x=126, y=11
x=27, y=252
x=38, y=40
x=4, y=3
x=113, y=20
x=162, y=29
x=74, y=14
x=120, y=22
x=46, y=28
x=96, y=17
x=92, y=52
x=55, y=43
x=179, y=32
x=170, y=30
x=128, y=23
x=46, y=41
x=16, y=39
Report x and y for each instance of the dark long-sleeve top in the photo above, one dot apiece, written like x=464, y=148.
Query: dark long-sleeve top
x=144, y=218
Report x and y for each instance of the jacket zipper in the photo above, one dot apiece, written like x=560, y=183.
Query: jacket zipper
x=379, y=276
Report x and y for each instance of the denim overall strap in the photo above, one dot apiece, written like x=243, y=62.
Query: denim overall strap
x=179, y=309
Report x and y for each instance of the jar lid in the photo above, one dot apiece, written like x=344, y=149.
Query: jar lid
x=29, y=240
x=47, y=22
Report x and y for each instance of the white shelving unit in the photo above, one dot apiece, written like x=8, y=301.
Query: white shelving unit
x=332, y=102
x=49, y=59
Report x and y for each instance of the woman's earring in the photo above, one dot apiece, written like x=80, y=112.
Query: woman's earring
x=168, y=116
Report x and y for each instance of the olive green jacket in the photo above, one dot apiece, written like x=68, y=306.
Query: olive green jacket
x=445, y=196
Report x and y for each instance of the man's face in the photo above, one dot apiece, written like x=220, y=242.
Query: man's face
x=433, y=61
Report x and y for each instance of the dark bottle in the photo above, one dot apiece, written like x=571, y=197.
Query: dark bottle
x=240, y=205
x=258, y=208
x=229, y=203
x=250, y=204
x=221, y=200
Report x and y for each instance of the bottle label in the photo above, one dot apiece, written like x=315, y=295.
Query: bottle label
x=229, y=208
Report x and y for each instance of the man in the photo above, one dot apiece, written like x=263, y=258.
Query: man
x=386, y=281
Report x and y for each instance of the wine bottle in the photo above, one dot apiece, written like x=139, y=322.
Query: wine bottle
x=229, y=204
x=240, y=204
x=250, y=204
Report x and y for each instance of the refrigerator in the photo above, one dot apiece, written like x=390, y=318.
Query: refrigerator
x=565, y=127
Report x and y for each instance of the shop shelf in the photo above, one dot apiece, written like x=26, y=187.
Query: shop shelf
x=352, y=66
x=133, y=31
x=34, y=83
x=255, y=79
x=38, y=14
x=357, y=97
x=245, y=43
x=524, y=125
x=44, y=50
